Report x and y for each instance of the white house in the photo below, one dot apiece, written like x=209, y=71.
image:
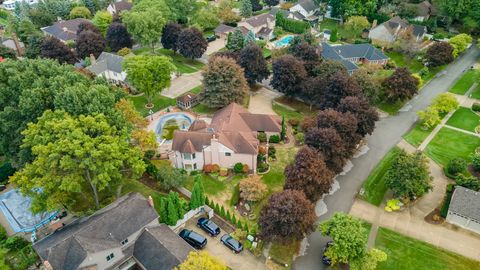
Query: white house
x=10, y=4
x=119, y=6
x=304, y=10
x=464, y=209
x=261, y=25
x=109, y=65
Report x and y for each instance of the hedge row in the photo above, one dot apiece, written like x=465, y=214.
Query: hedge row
x=225, y=214
x=293, y=26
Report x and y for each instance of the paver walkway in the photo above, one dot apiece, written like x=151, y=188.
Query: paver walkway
x=183, y=84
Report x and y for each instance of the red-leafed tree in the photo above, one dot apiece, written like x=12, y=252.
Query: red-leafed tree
x=55, y=49
x=329, y=143
x=338, y=86
x=191, y=43
x=89, y=42
x=401, y=85
x=440, y=53
x=288, y=75
x=365, y=114
x=344, y=123
x=170, y=34
x=288, y=216
x=252, y=61
x=309, y=173
x=118, y=37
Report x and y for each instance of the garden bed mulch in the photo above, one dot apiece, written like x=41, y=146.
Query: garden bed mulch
x=473, y=171
x=430, y=217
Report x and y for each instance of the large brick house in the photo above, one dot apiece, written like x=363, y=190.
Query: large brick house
x=229, y=139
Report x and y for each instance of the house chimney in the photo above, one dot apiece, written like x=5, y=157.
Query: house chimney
x=150, y=201
x=19, y=48
x=93, y=61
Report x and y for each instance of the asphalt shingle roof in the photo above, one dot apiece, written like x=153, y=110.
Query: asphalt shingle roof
x=107, y=61
x=466, y=202
x=308, y=5
x=64, y=30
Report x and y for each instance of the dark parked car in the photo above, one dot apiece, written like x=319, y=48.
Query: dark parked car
x=3, y=187
x=208, y=226
x=325, y=259
x=194, y=239
x=231, y=243
x=211, y=38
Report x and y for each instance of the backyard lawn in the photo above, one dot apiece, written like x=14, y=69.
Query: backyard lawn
x=160, y=102
x=137, y=186
x=465, y=82
x=401, y=60
x=464, y=118
x=406, y=253
x=197, y=89
x=449, y=144
x=184, y=65
x=342, y=32
x=301, y=110
x=374, y=187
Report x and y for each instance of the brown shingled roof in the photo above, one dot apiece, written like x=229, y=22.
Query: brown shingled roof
x=187, y=147
x=197, y=139
x=198, y=125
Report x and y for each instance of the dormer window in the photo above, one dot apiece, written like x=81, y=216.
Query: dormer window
x=109, y=257
x=124, y=242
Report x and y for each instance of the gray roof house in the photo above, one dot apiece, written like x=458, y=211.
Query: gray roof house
x=117, y=7
x=350, y=55
x=304, y=10
x=109, y=65
x=122, y=235
x=390, y=30
x=261, y=25
x=64, y=30
x=464, y=209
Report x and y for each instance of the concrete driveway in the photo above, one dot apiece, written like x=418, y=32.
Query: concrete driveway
x=387, y=134
x=242, y=261
x=261, y=101
x=215, y=46
x=183, y=84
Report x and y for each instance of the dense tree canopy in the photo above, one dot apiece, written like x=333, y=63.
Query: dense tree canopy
x=88, y=43
x=440, y=53
x=102, y=20
x=365, y=114
x=145, y=25
x=75, y=157
x=191, y=43
x=401, y=85
x=347, y=8
x=80, y=12
x=288, y=75
x=246, y=8
x=346, y=126
x=201, y=260
x=338, y=86
x=235, y=40
x=118, y=37
x=309, y=173
x=223, y=82
x=206, y=18
x=288, y=216
x=171, y=31
x=459, y=43
x=252, y=61
x=55, y=49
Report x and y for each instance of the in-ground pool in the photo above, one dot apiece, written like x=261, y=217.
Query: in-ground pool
x=16, y=209
x=170, y=122
x=284, y=41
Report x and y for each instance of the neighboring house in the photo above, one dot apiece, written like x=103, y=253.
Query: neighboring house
x=187, y=101
x=261, y=25
x=275, y=10
x=304, y=10
x=64, y=30
x=117, y=7
x=124, y=235
x=229, y=139
x=109, y=65
x=387, y=32
x=223, y=30
x=10, y=4
x=424, y=10
x=15, y=45
x=350, y=55
x=464, y=209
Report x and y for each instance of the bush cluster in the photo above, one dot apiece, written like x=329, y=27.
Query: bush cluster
x=274, y=139
x=293, y=26
x=476, y=107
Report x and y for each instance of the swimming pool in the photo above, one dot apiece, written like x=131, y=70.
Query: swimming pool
x=168, y=123
x=16, y=209
x=284, y=41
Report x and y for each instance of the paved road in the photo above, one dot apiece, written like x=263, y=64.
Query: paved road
x=388, y=133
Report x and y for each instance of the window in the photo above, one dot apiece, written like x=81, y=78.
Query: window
x=124, y=242
x=109, y=257
x=194, y=166
x=227, y=154
x=193, y=156
x=187, y=156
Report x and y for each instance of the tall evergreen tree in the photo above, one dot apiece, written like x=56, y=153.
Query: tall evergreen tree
x=235, y=41
x=246, y=8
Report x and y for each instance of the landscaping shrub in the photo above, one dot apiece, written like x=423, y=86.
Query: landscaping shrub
x=223, y=172
x=438, y=36
x=228, y=217
x=235, y=195
x=272, y=152
x=476, y=107
x=215, y=168
x=222, y=212
x=294, y=122
x=262, y=167
x=195, y=172
x=290, y=25
x=476, y=161
x=207, y=168
x=151, y=169
x=456, y=165
x=262, y=150
x=3, y=232
x=334, y=35
x=469, y=182
x=245, y=168
x=124, y=51
x=262, y=137
x=15, y=243
x=274, y=139
x=446, y=200
x=300, y=137
x=149, y=154
x=6, y=170
x=238, y=167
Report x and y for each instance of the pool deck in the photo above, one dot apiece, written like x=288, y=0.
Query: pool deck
x=3, y=219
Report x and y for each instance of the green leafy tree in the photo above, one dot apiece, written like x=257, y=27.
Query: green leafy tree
x=163, y=209
x=408, y=176
x=223, y=82
x=182, y=10
x=75, y=155
x=460, y=43
x=429, y=117
x=369, y=261
x=246, y=8
x=198, y=195
x=357, y=24
x=201, y=260
x=102, y=20
x=145, y=26
x=235, y=41
x=149, y=74
x=206, y=18
x=347, y=8
x=334, y=35
x=445, y=103
x=6, y=52
x=80, y=12
x=170, y=177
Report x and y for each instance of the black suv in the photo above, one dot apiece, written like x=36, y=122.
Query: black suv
x=208, y=226
x=325, y=259
x=231, y=243
x=194, y=239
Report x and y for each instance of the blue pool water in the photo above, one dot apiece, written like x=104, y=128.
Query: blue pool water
x=16, y=209
x=182, y=120
x=283, y=42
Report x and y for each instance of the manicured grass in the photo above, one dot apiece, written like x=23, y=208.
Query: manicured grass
x=465, y=82
x=390, y=108
x=283, y=253
x=184, y=65
x=401, y=60
x=417, y=135
x=301, y=110
x=374, y=187
x=266, y=53
x=406, y=253
x=197, y=89
x=464, y=118
x=289, y=114
x=137, y=186
x=449, y=144
x=208, y=33
x=211, y=186
x=160, y=102
x=204, y=109
x=341, y=30
x=476, y=92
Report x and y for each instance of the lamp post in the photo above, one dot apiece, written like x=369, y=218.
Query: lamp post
x=151, y=114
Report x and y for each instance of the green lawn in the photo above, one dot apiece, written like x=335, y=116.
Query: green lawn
x=374, y=186
x=266, y=53
x=342, y=32
x=417, y=135
x=390, y=108
x=401, y=60
x=465, y=82
x=464, y=118
x=197, y=89
x=211, y=186
x=406, y=253
x=160, y=102
x=449, y=144
x=476, y=92
x=184, y=65
x=283, y=253
x=203, y=109
x=301, y=110
x=137, y=186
